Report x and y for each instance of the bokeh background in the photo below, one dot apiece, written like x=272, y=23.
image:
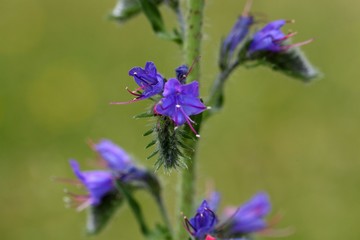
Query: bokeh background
x=62, y=62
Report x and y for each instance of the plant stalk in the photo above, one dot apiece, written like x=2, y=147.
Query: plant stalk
x=192, y=50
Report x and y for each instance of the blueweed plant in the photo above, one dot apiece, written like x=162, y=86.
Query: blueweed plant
x=178, y=112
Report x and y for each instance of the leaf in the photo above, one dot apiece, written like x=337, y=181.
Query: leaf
x=126, y=9
x=99, y=216
x=153, y=15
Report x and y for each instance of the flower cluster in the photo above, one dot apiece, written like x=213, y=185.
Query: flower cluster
x=235, y=223
x=99, y=183
x=178, y=100
x=240, y=46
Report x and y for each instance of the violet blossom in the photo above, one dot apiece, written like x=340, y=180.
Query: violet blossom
x=180, y=102
x=271, y=38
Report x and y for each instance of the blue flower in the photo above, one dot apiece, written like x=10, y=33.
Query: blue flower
x=180, y=102
x=150, y=82
x=203, y=222
x=121, y=164
x=181, y=73
x=249, y=217
x=115, y=157
x=98, y=183
x=271, y=38
x=236, y=35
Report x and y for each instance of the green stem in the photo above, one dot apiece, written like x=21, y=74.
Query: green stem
x=135, y=207
x=217, y=90
x=164, y=214
x=192, y=50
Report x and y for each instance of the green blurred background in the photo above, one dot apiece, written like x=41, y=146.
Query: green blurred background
x=62, y=62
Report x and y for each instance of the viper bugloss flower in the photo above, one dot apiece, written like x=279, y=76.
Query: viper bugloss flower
x=97, y=182
x=181, y=73
x=236, y=35
x=120, y=163
x=249, y=217
x=202, y=223
x=149, y=80
x=115, y=157
x=179, y=102
x=271, y=38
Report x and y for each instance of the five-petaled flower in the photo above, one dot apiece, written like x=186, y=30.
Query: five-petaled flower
x=180, y=101
x=271, y=38
x=203, y=222
x=149, y=80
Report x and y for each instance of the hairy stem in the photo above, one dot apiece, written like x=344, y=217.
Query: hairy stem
x=164, y=214
x=216, y=93
x=192, y=50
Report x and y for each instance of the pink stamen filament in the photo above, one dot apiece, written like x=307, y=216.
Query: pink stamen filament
x=80, y=202
x=122, y=103
x=192, y=66
x=247, y=8
x=133, y=92
x=83, y=205
x=285, y=37
x=75, y=182
x=189, y=121
x=297, y=44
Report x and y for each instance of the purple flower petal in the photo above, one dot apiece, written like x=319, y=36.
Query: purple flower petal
x=249, y=217
x=149, y=81
x=115, y=157
x=180, y=102
x=98, y=183
x=203, y=222
x=271, y=38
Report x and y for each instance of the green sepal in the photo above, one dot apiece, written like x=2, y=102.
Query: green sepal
x=152, y=143
x=292, y=62
x=295, y=64
x=184, y=146
x=99, y=216
x=147, y=133
x=187, y=136
x=144, y=115
x=153, y=154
